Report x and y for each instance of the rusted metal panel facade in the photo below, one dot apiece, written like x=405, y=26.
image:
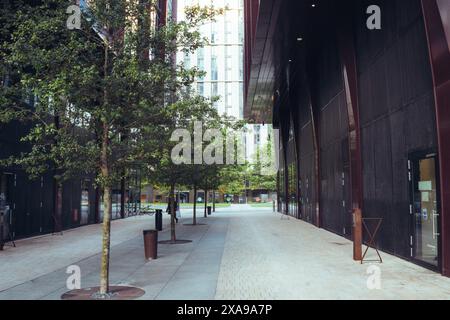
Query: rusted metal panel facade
x=437, y=25
x=363, y=102
x=396, y=113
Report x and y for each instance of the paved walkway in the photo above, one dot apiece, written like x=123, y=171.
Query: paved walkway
x=241, y=253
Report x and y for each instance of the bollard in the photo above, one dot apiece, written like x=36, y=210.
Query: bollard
x=151, y=244
x=159, y=220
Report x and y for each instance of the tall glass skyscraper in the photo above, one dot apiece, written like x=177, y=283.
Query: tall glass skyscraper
x=222, y=60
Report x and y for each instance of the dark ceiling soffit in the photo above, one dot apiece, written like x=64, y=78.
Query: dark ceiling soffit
x=265, y=28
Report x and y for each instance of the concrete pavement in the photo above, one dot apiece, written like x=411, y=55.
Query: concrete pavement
x=241, y=253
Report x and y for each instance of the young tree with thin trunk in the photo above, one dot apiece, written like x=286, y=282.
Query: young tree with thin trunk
x=194, y=183
x=262, y=173
x=166, y=173
x=174, y=168
x=206, y=202
x=194, y=213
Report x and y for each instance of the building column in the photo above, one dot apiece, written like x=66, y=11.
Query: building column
x=284, y=133
x=314, y=114
x=437, y=25
x=349, y=70
x=350, y=77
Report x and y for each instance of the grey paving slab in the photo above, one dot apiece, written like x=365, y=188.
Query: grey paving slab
x=242, y=253
x=269, y=258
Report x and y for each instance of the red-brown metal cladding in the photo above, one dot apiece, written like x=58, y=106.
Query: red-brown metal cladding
x=317, y=188
x=436, y=16
x=351, y=92
x=315, y=114
x=350, y=76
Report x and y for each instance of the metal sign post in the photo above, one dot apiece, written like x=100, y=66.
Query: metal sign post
x=357, y=235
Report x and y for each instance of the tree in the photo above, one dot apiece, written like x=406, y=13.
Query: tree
x=196, y=122
x=207, y=173
x=168, y=174
x=262, y=172
x=230, y=178
x=98, y=94
x=193, y=180
x=174, y=167
x=225, y=138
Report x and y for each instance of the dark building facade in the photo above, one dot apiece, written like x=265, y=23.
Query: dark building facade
x=363, y=114
x=39, y=206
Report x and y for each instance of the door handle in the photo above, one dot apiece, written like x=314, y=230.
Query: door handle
x=435, y=233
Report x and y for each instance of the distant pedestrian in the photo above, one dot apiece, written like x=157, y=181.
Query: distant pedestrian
x=177, y=210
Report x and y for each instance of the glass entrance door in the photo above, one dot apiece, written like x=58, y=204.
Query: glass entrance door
x=425, y=210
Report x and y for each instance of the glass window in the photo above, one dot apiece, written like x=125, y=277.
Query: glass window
x=201, y=88
x=201, y=59
x=187, y=61
x=214, y=89
x=214, y=71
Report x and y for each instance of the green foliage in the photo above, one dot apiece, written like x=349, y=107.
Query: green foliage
x=96, y=87
x=232, y=179
x=262, y=175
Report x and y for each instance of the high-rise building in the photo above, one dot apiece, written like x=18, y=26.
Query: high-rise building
x=222, y=58
x=222, y=61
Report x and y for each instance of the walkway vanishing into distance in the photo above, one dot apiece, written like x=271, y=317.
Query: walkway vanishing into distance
x=240, y=253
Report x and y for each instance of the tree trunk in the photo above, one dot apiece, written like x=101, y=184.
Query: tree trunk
x=122, y=198
x=105, y=174
x=206, y=202
x=106, y=242
x=194, y=222
x=172, y=213
x=97, y=205
x=214, y=200
x=104, y=275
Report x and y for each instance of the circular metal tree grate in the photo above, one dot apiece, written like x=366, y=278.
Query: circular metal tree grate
x=115, y=293
x=175, y=242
